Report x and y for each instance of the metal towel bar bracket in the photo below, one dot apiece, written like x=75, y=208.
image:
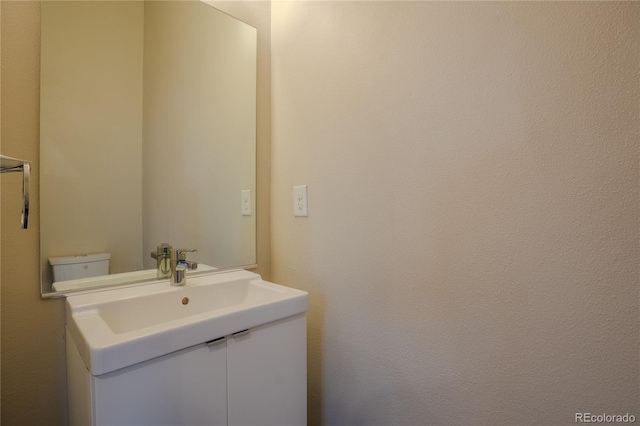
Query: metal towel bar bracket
x=11, y=165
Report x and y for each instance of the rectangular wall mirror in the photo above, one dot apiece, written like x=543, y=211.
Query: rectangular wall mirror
x=147, y=136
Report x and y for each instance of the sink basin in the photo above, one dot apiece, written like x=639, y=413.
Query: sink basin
x=117, y=328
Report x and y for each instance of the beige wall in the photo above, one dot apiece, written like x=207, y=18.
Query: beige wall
x=91, y=132
x=33, y=369
x=0, y=217
x=199, y=132
x=471, y=250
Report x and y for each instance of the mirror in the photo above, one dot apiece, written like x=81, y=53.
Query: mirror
x=147, y=136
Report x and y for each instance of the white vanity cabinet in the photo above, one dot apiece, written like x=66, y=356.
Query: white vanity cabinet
x=224, y=349
x=254, y=377
x=267, y=374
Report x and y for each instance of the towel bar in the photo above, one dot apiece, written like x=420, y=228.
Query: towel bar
x=9, y=165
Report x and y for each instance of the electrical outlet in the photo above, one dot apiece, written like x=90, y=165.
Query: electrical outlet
x=246, y=202
x=300, y=200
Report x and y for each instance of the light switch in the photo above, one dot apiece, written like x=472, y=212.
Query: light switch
x=246, y=202
x=300, y=200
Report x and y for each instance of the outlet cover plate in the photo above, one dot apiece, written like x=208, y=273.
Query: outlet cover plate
x=300, y=201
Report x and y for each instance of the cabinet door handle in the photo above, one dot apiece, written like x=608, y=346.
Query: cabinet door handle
x=217, y=341
x=240, y=333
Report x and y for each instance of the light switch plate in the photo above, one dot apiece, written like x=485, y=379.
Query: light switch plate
x=246, y=202
x=300, y=200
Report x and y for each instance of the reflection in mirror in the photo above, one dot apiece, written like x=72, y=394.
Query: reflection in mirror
x=147, y=136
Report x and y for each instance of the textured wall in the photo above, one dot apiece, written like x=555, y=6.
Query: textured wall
x=33, y=369
x=33, y=373
x=0, y=217
x=471, y=249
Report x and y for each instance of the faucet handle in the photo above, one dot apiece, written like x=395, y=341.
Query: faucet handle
x=181, y=254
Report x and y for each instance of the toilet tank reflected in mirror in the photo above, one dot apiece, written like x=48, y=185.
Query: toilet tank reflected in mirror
x=77, y=267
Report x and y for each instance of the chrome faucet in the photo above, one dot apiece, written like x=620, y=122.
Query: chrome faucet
x=180, y=264
x=163, y=256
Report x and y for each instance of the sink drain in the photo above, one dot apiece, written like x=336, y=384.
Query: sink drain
x=185, y=300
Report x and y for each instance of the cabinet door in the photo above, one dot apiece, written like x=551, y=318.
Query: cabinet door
x=188, y=387
x=267, y=374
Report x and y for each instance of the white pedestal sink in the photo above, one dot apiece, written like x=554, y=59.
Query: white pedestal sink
x=227, y=348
